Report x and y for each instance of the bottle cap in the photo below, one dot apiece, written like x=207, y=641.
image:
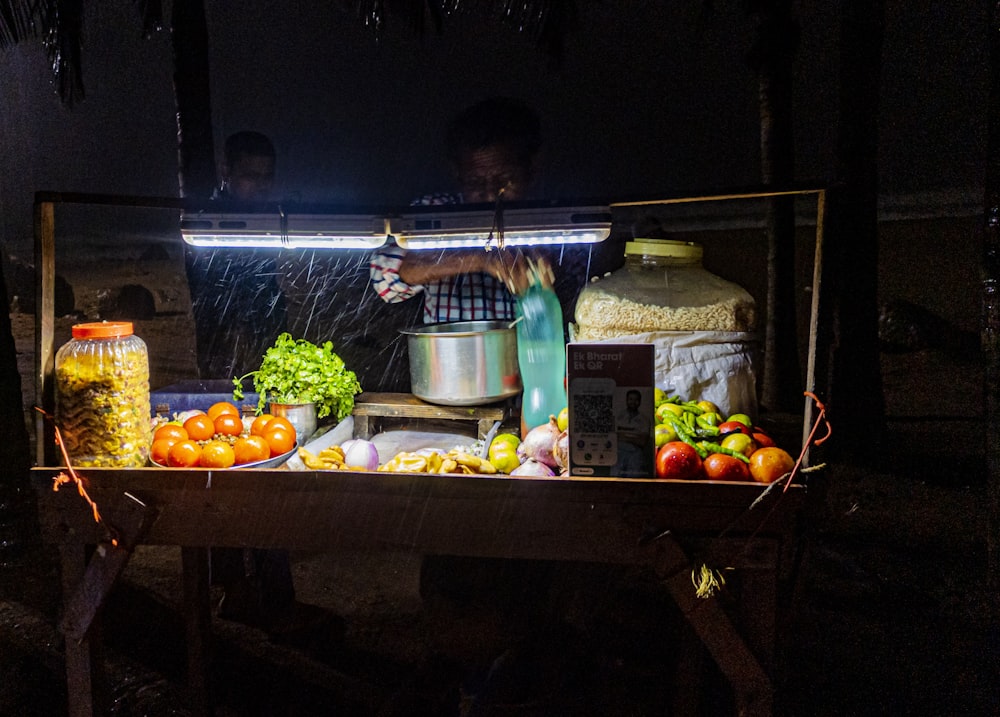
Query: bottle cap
x=102, y=330
x=664, y=247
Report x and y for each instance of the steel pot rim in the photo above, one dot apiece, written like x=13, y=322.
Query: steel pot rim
x=458, y=329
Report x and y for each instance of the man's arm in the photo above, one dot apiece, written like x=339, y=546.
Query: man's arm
x=422, y=267
x=511, y=267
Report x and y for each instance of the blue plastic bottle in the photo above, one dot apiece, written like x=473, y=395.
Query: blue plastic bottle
x=541, y=355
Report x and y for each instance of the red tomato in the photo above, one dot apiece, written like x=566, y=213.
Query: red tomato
x=161, y=446
x=277, y=421
x=217, y=454
x=763, y=440
x=678, y=461
x=199, y=427
x=719, y=466
x=280, y=440
x=184, y=454
x=170, y=430
x=260, y=423
x=769, y=464
x=217, y=409
x=733, y=427
x=228, y=425
x=250, y=449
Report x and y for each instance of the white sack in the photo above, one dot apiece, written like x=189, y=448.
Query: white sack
x=716, y=366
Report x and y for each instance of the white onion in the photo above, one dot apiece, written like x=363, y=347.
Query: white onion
x=532, y=469
x=561, y=451
x=540, y=443
x=361, y=453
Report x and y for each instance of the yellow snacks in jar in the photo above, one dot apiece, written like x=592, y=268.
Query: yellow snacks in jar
x=102, y=395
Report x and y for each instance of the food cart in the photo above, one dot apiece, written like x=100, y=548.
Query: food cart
x=655, y=523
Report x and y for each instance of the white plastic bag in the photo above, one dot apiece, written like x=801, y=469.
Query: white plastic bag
x=714, y=366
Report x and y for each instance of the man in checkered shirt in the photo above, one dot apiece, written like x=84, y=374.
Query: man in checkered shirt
x=492, y=148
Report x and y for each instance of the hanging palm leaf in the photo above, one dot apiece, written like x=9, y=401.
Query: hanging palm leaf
x=17, y=21
x=63, y=23
x=546, y=21
x=59, y=24
x=151, y=12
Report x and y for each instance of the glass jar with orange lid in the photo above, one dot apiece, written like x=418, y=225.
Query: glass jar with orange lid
x=102, y=395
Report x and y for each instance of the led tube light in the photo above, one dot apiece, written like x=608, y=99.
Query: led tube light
x=279, y=230
x=442, y=227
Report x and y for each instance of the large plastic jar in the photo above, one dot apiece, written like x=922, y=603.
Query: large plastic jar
x=662, y=287
x=102, y=396
x=700, y=324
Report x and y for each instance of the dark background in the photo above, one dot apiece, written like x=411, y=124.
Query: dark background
x=891, y=613
x=649, y=97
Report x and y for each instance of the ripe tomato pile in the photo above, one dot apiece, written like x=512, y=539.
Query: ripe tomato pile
x=219, y=438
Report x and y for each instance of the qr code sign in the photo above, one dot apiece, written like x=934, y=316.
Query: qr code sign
x=593, y=413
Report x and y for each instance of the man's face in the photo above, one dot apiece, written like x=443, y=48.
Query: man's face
x=482, y=173
x=632, y=401
x=251, y=178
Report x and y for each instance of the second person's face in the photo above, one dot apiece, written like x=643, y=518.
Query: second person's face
x=482, y=173
x=251, y=179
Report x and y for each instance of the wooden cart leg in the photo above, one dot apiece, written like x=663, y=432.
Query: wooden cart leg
x=753, y=687
x=86, y=682
x=689, y=677
x=363, y=427
x=760, y=613
x=197, y=626
x=484, y=426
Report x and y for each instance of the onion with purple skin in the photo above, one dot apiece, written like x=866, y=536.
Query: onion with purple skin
x=184, y=415
x=561, y=452
x=361, y=453
x=532, y=469
x=540, y=443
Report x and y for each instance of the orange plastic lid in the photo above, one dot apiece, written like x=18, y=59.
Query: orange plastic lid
x=102, y=330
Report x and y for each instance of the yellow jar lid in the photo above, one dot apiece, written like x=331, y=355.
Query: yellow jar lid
x=664, y=247
x=102, y=330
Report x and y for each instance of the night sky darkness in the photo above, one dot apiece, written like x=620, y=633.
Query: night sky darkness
x=650, y=97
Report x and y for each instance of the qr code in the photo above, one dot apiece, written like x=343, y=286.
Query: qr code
x=593, y=413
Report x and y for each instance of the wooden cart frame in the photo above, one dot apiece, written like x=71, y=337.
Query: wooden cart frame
x=660, y=524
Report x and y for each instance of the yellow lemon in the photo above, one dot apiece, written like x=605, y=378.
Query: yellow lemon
x=508, y=439
x=503, y=456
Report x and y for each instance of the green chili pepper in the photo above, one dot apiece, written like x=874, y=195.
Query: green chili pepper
x=716, y=448
x=706, y=425
x=683, y=431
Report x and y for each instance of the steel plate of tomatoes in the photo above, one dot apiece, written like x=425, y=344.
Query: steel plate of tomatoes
x=195, y=456
x=219, y=439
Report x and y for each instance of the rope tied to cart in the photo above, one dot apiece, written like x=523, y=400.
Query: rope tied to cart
x=71, y=476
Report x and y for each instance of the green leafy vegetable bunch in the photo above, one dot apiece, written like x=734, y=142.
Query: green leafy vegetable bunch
x=297, y=371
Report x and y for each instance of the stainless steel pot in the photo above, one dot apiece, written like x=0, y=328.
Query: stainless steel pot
x=466, y=363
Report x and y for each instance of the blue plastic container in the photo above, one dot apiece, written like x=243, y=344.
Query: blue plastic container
x=192, y=395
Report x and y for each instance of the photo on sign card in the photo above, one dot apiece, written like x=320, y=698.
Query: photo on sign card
x=634, y=428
